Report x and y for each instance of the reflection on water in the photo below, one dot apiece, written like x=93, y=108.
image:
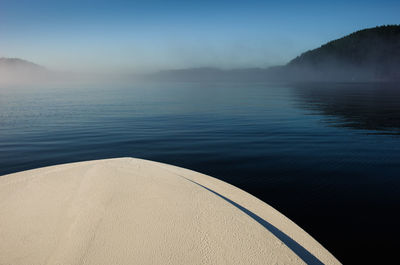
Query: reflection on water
x=324, y=155
x=373, y=107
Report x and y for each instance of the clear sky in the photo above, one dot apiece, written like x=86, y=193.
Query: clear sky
x=148, y=35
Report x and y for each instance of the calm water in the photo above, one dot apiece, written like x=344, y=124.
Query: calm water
x=327, y=156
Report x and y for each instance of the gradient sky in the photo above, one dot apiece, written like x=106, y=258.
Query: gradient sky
x=124, y=36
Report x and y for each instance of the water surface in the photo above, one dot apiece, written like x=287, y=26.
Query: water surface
x=325, y=155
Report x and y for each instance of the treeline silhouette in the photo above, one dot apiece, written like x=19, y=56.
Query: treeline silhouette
x=366, y=55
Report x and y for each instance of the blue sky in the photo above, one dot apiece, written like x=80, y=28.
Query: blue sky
x=125, y=36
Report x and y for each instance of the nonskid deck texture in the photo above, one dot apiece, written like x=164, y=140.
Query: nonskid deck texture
x=133, y=211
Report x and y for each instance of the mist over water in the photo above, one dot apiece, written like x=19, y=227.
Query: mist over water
x=325, y=155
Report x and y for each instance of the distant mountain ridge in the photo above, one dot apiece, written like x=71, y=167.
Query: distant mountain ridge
x=366, y=55
x=212, y=74
x=18, y=64
x=14, y=70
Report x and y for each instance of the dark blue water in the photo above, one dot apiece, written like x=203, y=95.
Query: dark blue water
x=325, y=155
